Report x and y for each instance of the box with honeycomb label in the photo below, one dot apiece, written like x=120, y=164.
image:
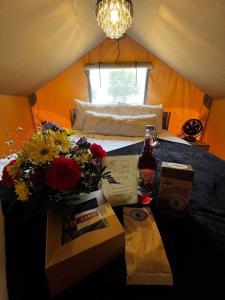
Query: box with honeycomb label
x=175, y=187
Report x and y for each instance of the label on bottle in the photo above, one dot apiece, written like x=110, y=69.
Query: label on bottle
x=148, y=175
x=146, y=181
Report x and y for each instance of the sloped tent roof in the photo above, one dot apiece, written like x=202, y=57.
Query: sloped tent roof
x=39, y=39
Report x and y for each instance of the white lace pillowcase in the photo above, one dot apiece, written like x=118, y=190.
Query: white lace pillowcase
x=122, y=110
x=110, y=124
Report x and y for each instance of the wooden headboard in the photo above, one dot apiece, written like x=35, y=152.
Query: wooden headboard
x=165, y=120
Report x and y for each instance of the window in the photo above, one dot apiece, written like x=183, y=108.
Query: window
x=117, y=85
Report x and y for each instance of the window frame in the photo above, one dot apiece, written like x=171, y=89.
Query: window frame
x=135, y=65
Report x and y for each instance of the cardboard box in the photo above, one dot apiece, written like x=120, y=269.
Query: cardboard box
x=175, y=187
x=69, y=263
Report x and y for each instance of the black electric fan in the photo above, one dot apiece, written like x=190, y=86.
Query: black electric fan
x=191, y=129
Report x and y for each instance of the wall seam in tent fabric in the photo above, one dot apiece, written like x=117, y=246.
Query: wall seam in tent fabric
x=32, y=100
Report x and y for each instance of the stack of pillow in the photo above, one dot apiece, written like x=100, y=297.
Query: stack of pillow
x=123, y=119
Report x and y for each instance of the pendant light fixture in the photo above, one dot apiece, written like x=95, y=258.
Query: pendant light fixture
x=114, y=16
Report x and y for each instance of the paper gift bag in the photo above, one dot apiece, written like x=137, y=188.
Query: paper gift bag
x=146, y=259
x=68, y=261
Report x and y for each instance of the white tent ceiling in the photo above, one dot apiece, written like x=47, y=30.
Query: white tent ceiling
x=40, y=38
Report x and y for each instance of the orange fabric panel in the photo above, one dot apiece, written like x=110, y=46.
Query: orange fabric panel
x=215, y=130
x=166, y=86
x=178, y=95
x=55, y=99
x=14, y=112
x=107, y=51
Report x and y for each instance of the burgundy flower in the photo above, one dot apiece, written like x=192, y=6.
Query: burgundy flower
x=63, y=173
x=97, y=151
x=6, y=178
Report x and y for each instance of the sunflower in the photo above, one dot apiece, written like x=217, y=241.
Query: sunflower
x=22, y=191
x=41, y=148
x=84, y=158
x=17, y=168
x=60, y=139
x=69, y=131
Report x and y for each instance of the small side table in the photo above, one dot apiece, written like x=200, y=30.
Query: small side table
x=200, y=145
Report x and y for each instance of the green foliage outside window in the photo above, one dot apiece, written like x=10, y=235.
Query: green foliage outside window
x=122, y=84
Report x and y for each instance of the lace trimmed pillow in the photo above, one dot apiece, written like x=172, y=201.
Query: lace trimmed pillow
x=109, y=124
x=122, y=110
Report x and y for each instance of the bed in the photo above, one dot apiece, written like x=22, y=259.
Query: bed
x=195, y=244
x=109, y=143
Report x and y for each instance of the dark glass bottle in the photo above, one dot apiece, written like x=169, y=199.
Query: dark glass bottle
x=146, y=167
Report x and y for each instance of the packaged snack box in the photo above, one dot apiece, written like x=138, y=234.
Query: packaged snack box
x=71, y=258
x=175, y=187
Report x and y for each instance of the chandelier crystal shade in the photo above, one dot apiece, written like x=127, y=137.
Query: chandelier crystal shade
x=114, y=16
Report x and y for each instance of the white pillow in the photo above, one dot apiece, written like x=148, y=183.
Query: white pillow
x=122, y=110
x=109, y=124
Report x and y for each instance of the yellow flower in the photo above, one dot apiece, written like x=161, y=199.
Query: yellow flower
x=69, y=131
x=22, y=191
x=41, y=148
x=83, y=158
x=15, y=170
x=61, y=140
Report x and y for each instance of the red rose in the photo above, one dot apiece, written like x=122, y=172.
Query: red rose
x=6, y=178
x=63, y=173
x=97, y=151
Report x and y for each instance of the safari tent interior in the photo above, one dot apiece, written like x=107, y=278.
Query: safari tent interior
x=53, y=60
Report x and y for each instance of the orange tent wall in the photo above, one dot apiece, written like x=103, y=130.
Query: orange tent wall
x=14, y=112
x=166, y=86
x=215, y=131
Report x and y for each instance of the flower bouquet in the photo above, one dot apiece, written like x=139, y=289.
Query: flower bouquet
x=51, y=171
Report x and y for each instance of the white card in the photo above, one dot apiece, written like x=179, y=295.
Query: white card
x=124, y=170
